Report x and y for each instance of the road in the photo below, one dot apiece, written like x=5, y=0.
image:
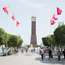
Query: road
x=28, y=59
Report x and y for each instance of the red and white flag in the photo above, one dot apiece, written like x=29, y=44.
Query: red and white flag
x=17, y=23
x=6, y=9
x=54, y=17
x=52, y=22
x=13, y=18
x=59, y=11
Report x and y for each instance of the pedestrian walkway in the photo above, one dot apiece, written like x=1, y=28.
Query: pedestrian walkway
x=27, y=59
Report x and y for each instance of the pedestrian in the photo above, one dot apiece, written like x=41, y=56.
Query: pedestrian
x=64, y=53
x=42, y=53
x=59, y=55
x=50, y=53
x=26, y=50
x=22, y=50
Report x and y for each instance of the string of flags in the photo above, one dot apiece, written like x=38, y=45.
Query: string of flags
x=55, y=16
x=6, y=10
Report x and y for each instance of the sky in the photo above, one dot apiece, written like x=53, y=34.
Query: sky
x=24, y=10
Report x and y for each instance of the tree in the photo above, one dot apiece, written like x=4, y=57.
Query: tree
x=12, y=42
x=2, y=33
x=45, y=42
x=9, y=40
x=59, y=34
x=49, y=40
x=19, y=41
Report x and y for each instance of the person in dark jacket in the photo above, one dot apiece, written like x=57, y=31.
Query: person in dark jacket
x=59, y=55
x=64, y=53
x=50, y=54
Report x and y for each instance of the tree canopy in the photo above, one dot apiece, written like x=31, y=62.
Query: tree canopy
x=57, y=39
x=59, y=34
x=49, y=40
x=9, y=40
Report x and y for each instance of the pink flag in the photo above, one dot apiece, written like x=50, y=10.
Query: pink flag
x=17, y=23
x=52, y=22
x=5, y=9
x=54, y=17
x=59, y=0
x=59, y=11
x=13, y=18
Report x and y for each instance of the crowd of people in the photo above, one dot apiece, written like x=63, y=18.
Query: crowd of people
x=27, y=49
x=50, y=52
x=47, y=51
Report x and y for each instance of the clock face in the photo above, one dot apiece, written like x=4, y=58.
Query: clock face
x=33, y=18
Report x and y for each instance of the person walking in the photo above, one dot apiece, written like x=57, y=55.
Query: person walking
x=22, y=50
x=64, y=53
x=59, y=55
x=42, y=53
x=50, y=54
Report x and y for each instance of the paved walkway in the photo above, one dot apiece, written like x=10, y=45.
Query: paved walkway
x=27, y=59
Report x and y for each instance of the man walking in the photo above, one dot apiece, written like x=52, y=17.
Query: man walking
x=42, y=53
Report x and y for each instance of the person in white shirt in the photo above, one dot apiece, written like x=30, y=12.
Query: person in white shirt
x=42, y=53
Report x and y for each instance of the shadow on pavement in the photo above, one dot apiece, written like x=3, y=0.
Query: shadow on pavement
x=51, y=61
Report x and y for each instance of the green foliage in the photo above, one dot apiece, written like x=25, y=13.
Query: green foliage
x=2, y=33
x=59, y=34
x=58, y=39
x=49, y=40
x=19, y=41
x=45, y=42
x=14, y=41
x=10, y=40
